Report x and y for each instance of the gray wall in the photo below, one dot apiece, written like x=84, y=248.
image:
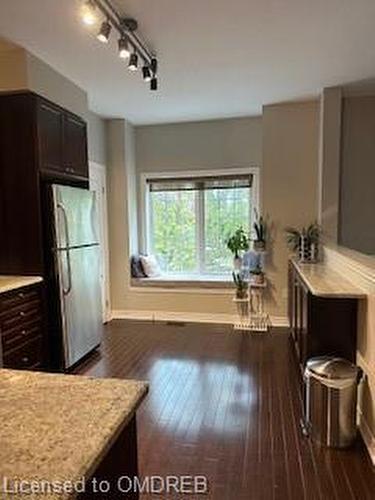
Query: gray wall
x=357, y=187
x=199, y=145
x=97, y=141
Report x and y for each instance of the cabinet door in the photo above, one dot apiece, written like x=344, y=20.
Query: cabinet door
x=50, y=136
x=75, y=146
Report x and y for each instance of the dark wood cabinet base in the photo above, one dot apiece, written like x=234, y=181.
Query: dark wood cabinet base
x=320, y=325
x=114, y=477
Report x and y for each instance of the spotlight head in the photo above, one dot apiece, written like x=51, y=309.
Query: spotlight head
x=105, y=31
x=154, y=65
x=123, y=48
x=146, y=74
x=133, y=62
x=154, y=83
x=88, y=13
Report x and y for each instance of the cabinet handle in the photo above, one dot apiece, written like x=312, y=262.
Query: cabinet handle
x=21, y=295
x=22, y=314
x=25, y=359
x=23, y=333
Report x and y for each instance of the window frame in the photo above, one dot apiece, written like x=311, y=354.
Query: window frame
x=145, y=206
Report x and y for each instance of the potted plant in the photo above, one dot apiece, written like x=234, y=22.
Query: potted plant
x=241, y=295
x=257, y=275
x=236, y=243
x=304, y=241
x=260, y=228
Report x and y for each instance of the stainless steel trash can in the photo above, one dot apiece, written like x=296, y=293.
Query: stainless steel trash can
x=331, y=401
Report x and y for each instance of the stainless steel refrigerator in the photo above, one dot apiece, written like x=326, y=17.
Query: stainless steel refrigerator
x=77, y=262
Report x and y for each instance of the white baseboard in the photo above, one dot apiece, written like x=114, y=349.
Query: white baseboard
x=368, y=437
x=191, y=317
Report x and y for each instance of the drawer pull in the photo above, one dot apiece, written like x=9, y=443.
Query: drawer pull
x=25, y=359
x=23, y=333
x=22, y=314
x=21, y=295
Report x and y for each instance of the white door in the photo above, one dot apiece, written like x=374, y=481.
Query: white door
x=99, y=186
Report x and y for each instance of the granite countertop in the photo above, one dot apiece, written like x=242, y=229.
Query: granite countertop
x=9, y=283
x=56, y=427
x=323, y=282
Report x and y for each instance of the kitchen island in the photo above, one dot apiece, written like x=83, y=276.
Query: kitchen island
x=67, y=436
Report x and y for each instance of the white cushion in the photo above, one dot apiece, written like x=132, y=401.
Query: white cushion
x=150, y=266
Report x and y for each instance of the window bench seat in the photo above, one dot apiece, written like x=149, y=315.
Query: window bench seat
x=184, y=282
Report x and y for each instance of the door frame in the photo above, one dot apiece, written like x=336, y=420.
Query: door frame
x=98, y=172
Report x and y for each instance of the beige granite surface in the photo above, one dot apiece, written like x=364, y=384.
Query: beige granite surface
x=323, y=282
x=9, y=283
x=56, y=427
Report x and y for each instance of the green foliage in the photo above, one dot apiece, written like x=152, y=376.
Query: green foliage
x=260, y=227
x=238, y=241
x=241, y=285
x=174, y=228
x=293, y=235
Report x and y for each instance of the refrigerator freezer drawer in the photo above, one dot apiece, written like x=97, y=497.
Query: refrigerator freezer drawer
x=80, y=293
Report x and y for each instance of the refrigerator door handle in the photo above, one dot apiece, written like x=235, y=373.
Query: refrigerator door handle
x=67, y=290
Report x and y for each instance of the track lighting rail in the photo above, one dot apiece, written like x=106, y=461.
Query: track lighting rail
x=126, y=28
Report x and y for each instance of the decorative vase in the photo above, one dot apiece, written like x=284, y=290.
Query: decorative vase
x=304, y=249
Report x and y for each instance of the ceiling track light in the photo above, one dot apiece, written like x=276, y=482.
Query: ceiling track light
x=133, y=62
x=89, y=13
x=130, y=44
x=123, y=48
x=154, y=83
x=105, y=31
x=146, y=72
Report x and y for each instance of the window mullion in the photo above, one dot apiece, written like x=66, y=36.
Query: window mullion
x=201, y=231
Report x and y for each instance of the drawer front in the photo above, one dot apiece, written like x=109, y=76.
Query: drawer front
x=27, y=357
x=18, y=298
x=20, y=316
x=19, y=308
x=12, y=339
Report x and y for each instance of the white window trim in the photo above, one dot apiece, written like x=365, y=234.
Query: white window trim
x=145, y=244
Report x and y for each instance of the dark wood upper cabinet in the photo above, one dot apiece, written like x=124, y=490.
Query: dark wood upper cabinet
x=50, y=123
x=62, y=141
x=40, y=142
x=75, y=146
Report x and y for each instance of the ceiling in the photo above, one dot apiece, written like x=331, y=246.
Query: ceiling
x=216, y=58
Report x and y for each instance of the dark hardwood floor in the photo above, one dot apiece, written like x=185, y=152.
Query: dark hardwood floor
x=226, y=405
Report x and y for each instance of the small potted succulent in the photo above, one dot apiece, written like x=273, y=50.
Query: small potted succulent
x=305, y=242
x=260, y=228
x=241, y=295
x=257, y=275
x=236, y=243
